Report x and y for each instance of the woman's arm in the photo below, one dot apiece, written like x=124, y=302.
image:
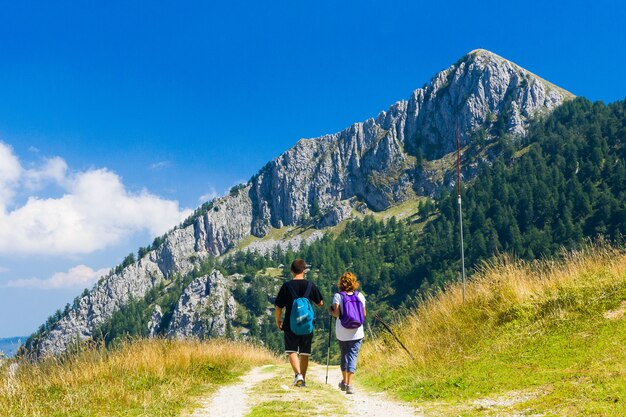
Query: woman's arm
x=334, y=310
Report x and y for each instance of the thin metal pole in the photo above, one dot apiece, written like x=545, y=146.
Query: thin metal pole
x=330, y=327
x=458, y=153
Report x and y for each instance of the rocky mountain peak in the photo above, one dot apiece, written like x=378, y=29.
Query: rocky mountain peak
x=480, y=91
x=377, y=163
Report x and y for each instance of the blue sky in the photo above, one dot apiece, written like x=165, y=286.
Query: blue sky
x=155, y=106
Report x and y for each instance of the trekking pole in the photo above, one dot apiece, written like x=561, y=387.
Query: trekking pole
x=330, y=326
x=386, y=326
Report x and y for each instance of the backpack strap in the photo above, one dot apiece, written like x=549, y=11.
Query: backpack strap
x=291, y=290
x=343, y=296
x=309, y=288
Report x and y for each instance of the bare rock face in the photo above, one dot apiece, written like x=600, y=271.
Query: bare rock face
x=111, y=292
x=213, y=233
x=379, y=162
x=154, y=325
x=375, y=160
x=480, y=89
x=267, y=246
x=204, y=308
x=225, y=224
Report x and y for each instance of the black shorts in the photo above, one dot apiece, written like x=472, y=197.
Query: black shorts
x=298, y=344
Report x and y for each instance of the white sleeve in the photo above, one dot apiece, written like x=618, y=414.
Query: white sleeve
x=337, y=299
x=362, y=298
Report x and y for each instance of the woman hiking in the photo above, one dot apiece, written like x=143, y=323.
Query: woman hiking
x=349, y=308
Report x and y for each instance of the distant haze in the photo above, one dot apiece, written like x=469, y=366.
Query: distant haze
x=9, y=345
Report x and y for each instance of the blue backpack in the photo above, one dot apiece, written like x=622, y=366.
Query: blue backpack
x=301, y=319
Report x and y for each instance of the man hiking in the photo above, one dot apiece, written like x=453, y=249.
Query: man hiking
x=295, y=297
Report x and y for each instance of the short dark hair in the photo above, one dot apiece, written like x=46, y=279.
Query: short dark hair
x=298, y=266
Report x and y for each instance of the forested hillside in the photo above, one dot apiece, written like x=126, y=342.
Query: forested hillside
x=559, y=186
x=381, y=165
x=566, y=184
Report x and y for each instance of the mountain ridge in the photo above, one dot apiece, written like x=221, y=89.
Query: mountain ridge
x=377, y=162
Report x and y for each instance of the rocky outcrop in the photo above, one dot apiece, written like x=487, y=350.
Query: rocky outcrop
x=204, y=309
x=380, y=162
x=481, y=90
x=154, y=325
x=225, y=224
x=111, y=292
x=376, y=160
x=268, y=245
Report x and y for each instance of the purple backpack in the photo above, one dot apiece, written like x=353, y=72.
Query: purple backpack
x=353, y=315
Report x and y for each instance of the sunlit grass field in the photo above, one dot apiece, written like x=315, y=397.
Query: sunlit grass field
x=545, y=338
x=140, y=378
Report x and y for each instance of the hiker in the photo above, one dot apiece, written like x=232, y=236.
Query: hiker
x=298, y=323
x=349, y=309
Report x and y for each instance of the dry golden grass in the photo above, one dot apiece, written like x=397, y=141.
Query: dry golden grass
x=540, y=326
x=541, y=338
x=443, y=330
x=140, y=378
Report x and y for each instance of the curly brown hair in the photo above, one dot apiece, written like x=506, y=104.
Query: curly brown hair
x=348, y=282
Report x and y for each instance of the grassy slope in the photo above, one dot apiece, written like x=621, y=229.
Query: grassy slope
x=149, y=377
x=543, y=338
x=405, y=210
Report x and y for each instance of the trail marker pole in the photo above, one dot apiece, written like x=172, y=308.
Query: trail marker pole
x=458, y=154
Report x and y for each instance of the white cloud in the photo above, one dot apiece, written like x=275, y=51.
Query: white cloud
x=240, y=181
x=210, y=195
x=213, y=193
x=10, y=173
x=160, y=165
x=3, y=269
x=95, y=211
x=53, y=171
x=80, y=276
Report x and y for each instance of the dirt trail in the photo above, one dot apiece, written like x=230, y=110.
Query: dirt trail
x=238, y=399
x=232, y=400
x=366, y=403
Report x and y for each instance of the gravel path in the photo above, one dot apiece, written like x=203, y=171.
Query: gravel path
x=232, y=400
x=366, y=403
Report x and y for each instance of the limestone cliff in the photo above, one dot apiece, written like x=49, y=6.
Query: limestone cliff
x=204, y=309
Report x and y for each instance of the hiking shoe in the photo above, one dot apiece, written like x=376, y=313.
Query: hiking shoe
x=342, y=386
x=298, y=381
x=303, y=384
x=350, y=389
